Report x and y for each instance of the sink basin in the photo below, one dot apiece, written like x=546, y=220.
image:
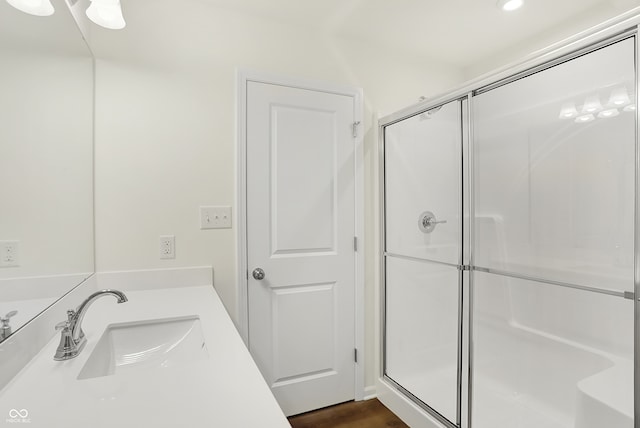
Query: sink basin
x=159, y=343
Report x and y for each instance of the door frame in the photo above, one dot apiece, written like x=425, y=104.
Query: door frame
x=243, y=77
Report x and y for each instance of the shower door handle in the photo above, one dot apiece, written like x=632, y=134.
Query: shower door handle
x=427, y=222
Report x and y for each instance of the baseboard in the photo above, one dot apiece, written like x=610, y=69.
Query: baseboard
x=150, y=279
x=370, y=392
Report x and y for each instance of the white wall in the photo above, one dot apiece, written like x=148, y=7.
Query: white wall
x=605, y=10
x=165, y=127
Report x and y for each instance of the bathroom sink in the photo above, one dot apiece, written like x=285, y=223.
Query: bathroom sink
x=158, y=343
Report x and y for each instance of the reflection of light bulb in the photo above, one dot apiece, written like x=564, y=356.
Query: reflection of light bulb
x=509, y=5
x=608, y=113
x=568, y=111
x=630, y=107
x=585, y=118
x=619, y=97
x=591, y=104
x=33, y=7
x=106, y=13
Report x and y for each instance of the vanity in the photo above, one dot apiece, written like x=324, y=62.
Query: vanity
x=167, y=357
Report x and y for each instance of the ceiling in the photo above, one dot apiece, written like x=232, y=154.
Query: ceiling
x=470, y=36
x=462, y=33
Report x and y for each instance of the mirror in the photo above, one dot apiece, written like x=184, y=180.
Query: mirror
x=46, y=161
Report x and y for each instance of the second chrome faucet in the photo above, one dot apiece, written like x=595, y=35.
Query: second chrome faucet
x=72, y=340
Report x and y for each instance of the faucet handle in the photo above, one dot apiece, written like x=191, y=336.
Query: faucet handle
x=62, y=324
x=9, y=315
x=66, y=324
x=5, y=320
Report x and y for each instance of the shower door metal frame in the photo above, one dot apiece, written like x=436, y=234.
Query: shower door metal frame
x=463, y=103
x=597, y=38
x=636, y=249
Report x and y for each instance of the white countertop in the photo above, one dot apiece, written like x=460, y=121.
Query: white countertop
x=224, y=391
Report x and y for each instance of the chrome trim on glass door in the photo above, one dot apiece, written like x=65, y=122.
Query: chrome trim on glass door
x=557, y=61
x=460, y=267
x=418, y=259
x=470, y=244
x=499, y=272
x=383, y=249
x=636, y=254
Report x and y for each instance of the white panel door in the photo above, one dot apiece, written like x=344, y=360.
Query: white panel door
x=300, y=232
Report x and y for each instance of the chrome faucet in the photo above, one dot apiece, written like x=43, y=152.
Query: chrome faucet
x=72, y=340
x=5, y=329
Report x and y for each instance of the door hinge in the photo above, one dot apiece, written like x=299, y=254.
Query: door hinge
x=355, y=355
x=355, y=129
x=355, y=243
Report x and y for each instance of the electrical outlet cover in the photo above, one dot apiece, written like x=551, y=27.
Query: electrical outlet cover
x=9, y=253
x=167, y=247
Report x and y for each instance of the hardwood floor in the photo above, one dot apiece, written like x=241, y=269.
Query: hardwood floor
x=354, y=414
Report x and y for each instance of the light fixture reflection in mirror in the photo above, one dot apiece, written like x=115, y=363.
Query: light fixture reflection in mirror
x=107, y=14
x=33, y=7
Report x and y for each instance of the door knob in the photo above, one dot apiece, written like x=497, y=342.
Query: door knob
x=258, y=274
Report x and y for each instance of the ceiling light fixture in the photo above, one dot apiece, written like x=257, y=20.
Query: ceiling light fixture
x=630, y=107
x=509, y=5
x=33, y=7
x=106, y=13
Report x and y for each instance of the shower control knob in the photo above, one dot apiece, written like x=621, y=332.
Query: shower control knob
x=258, y=274
x=427, y=222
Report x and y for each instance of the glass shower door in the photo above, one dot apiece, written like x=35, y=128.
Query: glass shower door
x=553, y=274
x=422, y=258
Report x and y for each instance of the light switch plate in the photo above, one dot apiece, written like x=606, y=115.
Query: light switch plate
x=9, y=253
x=215, y=217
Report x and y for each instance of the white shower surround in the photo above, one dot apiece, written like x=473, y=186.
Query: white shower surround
x=593, y=388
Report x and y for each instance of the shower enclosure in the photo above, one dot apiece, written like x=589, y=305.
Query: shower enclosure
x=510, y=251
